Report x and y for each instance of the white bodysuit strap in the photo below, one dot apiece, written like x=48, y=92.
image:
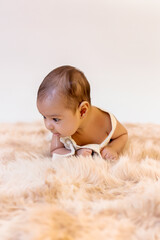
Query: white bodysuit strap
x=108, y=138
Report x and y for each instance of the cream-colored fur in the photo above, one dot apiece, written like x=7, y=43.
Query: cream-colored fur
x=78, y=198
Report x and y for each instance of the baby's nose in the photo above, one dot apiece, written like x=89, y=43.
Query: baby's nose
x=49, y=124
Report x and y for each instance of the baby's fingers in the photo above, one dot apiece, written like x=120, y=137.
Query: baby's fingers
x=110, y=157
x=84, y=152
x=87, y=152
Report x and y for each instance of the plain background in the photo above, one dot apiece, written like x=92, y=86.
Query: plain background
x=116, y=43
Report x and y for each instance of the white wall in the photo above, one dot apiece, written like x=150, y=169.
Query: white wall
x=116, y=43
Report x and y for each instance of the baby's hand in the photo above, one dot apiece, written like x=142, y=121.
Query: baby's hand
x=108, y=153
x=84, y=152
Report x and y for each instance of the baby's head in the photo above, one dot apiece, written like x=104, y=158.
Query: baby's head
x=67, y=82
x=64, y=99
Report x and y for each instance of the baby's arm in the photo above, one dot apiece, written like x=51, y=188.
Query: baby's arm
x=57, y=146
x=117, y=142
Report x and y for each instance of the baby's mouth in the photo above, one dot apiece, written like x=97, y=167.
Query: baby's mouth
x=56, y=134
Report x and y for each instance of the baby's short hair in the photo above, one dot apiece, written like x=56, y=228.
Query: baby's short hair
x=70, y=83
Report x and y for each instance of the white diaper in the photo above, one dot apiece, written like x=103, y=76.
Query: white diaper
x=71, y=145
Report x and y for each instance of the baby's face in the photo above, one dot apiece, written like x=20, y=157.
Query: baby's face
x=57, y=118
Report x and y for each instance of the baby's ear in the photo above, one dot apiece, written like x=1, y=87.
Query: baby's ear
x=83, y=108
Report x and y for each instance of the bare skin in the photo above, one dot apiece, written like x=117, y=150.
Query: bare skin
x=87, y=125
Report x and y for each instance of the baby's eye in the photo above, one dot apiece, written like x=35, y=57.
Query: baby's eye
x=44, y=117
x=56, y=119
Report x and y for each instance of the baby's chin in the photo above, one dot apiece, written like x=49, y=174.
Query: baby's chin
x=67, y=134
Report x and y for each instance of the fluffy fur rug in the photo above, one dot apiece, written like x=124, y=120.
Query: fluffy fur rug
x=78, y=198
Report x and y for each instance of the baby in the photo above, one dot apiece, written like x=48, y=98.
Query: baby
x=77, y=127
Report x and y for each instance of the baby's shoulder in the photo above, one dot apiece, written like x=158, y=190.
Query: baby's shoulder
x=105, y=119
